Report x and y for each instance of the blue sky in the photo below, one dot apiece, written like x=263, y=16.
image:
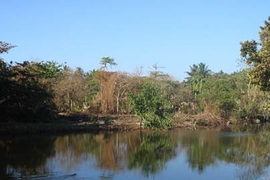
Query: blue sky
x=173, y=34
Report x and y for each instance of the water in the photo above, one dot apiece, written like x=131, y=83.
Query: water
x=176, y=154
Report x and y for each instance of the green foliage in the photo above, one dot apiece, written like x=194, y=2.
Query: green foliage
x=5, y=73
x=31, y=89
x=257, y=55
x=48, y=69
x=197, y=75
x=5, y=81
x=107, y=61
x=22, y=96
x=150, y=103
x=220, y=95
x=93, y=85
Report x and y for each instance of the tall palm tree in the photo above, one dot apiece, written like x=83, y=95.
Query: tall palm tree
x=197, y=75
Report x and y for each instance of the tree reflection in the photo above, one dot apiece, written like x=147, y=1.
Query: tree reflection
x=250, y=153
x=25, y=156
x=148, y=152
x=74, y=149
x=152, y=154
x=108, y=152
x=201, y=147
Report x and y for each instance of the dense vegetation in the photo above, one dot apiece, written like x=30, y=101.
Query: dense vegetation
x=39, y=91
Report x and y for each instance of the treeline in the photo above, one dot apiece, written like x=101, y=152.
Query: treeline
x=39, y=91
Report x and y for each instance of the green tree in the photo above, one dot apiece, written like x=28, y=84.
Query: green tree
x=197, y=75
x=5, y=73
x=25, y=99
x=93, y=85
x=105, y=61
x=152, y=105
x=222, y=93
x=47, y=69
x=24, y=91
x=4, y=69
x=257, y=55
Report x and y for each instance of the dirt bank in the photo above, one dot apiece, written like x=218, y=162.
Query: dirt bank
x=201, y=121
x=75, y=123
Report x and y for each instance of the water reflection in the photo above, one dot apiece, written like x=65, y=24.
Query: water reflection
x=152, y=154
x=112, y=153
x=139, y=155
x=22, y=157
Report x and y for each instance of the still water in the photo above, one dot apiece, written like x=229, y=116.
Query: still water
x=176, y=154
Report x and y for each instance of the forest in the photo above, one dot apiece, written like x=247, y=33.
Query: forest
x=42, y=91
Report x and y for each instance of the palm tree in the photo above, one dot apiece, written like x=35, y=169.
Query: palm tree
x=197, y=75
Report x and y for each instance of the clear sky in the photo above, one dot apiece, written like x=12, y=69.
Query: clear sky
x=173, y=34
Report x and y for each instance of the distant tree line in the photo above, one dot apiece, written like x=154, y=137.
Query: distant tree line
x=39, y=91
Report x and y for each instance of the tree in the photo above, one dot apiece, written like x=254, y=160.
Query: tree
x=197, y=75
x=5, y=47
x=23, y=97
x=156, y=74
x=257, y=55
x=220, y=95
x=5, y=73
x=105, y=100
x=122, y=85
x=93, y=85
x=71, y=90
x=152, y=105
x=107, y=61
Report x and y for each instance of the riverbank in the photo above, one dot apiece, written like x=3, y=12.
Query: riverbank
x=72, y=124
x=77, y=124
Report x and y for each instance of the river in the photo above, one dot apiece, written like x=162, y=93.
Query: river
x=174, y=154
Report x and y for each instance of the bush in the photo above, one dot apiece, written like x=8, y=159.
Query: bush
x=151, y=104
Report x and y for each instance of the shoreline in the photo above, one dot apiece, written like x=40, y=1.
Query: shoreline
x=113, y=123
